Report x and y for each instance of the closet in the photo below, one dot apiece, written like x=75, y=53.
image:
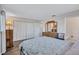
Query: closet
x=37, y=29
x=20, y=30
x=26, y=30
x=30, y=30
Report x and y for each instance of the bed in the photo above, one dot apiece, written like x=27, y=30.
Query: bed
x=44, y=46
x=74, y=50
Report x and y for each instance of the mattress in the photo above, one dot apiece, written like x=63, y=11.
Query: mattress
x=45, y=46
x=74, y=50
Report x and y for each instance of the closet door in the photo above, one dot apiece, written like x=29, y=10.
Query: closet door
x=30, y=32
x=37, y=29
x=17, y=31
x=24, y=30
x=20, y=29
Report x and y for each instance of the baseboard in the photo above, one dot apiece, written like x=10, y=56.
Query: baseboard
x=3, y=52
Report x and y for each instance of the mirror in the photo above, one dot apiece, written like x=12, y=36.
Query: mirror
x=51, y=26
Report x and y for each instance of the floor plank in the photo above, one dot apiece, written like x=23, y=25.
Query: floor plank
x=14, y=50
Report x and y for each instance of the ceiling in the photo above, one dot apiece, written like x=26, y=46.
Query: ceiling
x=39, y=11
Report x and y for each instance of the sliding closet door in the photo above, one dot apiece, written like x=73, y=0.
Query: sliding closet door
x=26, y=30
x=30, y=30
x=20, y=29
x=23, y=30
x=17, y=31
x=37, y=29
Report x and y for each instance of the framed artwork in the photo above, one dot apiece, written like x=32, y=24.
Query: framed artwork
x=51, y=26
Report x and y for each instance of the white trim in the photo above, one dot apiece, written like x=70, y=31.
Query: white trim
x=3, y=51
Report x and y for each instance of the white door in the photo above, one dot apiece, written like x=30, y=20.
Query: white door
x=26, y=30
x=30, y=30
x=37, y=29
x=20, y=29
x=23, y=30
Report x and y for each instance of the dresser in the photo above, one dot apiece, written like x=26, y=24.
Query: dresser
x=49, y=34
x=9, y=38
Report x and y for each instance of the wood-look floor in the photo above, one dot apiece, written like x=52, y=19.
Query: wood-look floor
x=15, y=50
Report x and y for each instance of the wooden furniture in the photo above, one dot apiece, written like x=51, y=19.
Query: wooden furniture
x=49, y=34
x=51, y=26
x=51, y=29
x=9, y=38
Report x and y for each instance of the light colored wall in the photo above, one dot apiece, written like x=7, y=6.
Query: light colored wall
x=61, y=25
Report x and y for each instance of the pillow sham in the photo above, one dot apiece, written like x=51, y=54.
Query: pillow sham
x=60, y=36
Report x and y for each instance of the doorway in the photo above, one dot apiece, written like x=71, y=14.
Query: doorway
x=9, y=32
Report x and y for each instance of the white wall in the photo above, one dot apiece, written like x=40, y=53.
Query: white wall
x=24, y=29
x=61, y=24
